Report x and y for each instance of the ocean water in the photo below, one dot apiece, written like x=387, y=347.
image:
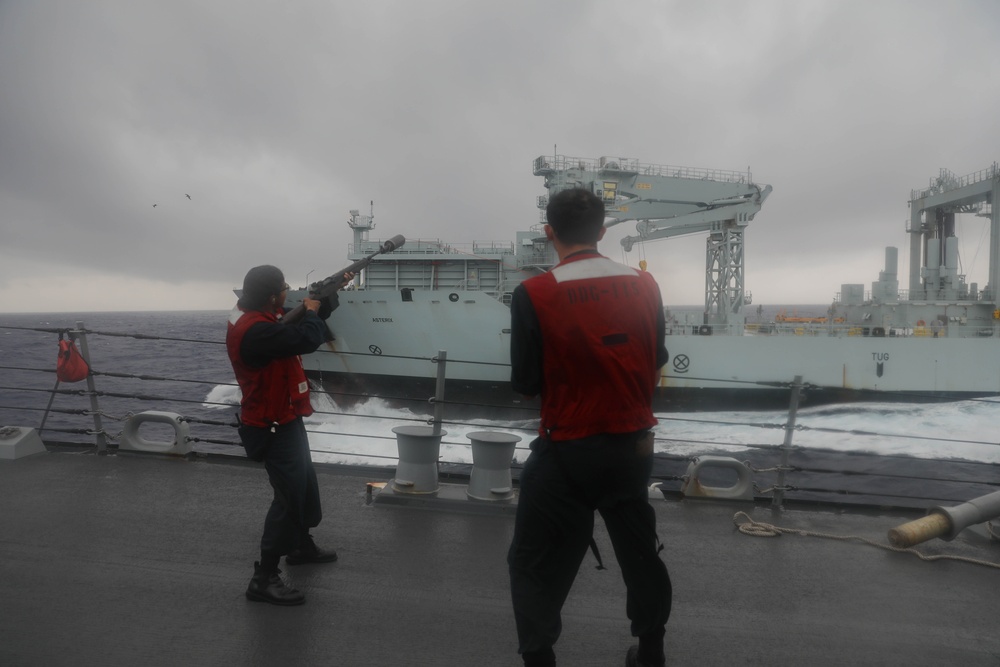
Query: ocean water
x=176, y=361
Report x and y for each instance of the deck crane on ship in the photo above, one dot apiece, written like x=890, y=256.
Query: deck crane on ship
x=667, y=201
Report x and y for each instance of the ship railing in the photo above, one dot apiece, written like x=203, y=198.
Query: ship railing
x=867, y=297
x=93, y=415
x=541, y=260
x=903, y=295
x=436, y=247
x=916, y=329
x=412, y=247
x=947, y=181
x=545, y=164
x=469, y=285
x=840, y=298
x=493, y=248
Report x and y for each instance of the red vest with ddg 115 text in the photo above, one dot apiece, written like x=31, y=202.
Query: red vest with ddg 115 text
x=598, y=321
x=273, y=394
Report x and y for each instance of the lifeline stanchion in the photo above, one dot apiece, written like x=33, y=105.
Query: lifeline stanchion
x=442, y=366
x=48, y=408
x=99, y=436
x=793, y=408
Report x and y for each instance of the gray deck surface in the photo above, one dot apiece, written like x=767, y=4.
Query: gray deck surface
x=142, y=560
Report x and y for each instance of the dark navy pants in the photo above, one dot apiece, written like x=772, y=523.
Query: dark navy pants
x=562, y=485
x=296, y=505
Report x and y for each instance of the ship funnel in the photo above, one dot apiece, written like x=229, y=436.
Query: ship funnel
x=891, y=260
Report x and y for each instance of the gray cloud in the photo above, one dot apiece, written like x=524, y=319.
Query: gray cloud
x=278, y=120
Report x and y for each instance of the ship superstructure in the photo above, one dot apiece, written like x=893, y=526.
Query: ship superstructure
x=938, y=301
x=664, y=201
x=493, y=268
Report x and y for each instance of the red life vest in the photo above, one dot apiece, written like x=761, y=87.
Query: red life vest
x=273, y=394
x=599, y=339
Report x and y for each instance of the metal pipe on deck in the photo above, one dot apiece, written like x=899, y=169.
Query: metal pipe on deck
x=946, y=522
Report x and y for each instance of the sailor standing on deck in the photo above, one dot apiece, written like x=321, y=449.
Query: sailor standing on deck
x=588, y=336
x=265, y=356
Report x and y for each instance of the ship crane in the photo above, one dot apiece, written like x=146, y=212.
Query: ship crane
x=670, y=201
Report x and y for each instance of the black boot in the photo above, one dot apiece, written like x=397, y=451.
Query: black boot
x=308, y=552
x=649, y=652
x=632, y=659
x=267, y=586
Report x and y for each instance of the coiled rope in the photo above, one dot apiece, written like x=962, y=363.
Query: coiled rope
x=762, y=529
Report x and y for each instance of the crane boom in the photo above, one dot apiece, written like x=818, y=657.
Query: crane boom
x=668, y=201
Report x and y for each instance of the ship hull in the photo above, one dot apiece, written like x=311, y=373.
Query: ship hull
x=835, y=368
x=390, y=347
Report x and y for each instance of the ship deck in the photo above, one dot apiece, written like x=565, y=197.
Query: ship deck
x=141, y=559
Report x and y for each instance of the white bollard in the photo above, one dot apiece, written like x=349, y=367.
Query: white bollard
x=492, y=452
x=419, y=449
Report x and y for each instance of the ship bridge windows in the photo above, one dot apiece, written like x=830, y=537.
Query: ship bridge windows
x=607, y=192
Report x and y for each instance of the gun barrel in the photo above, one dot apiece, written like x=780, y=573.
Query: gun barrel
x=331, y=284
x=395, y=242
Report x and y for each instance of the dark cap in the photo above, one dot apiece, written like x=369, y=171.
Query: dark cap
x=260, y=284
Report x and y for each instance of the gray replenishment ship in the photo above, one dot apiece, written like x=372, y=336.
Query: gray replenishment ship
x=938, y=338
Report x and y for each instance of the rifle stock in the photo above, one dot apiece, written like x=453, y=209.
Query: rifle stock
x=331, y=284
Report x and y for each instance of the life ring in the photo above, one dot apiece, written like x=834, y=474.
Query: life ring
x=453, y=297
x=705, y=330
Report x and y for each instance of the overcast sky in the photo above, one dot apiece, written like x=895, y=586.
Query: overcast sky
x=277, y=118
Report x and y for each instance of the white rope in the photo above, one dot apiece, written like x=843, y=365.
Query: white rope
x=992, y=530
x=761, y=529
x=772, y=469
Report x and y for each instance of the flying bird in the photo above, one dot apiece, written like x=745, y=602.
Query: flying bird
x=154, y=205
x=187, y=195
